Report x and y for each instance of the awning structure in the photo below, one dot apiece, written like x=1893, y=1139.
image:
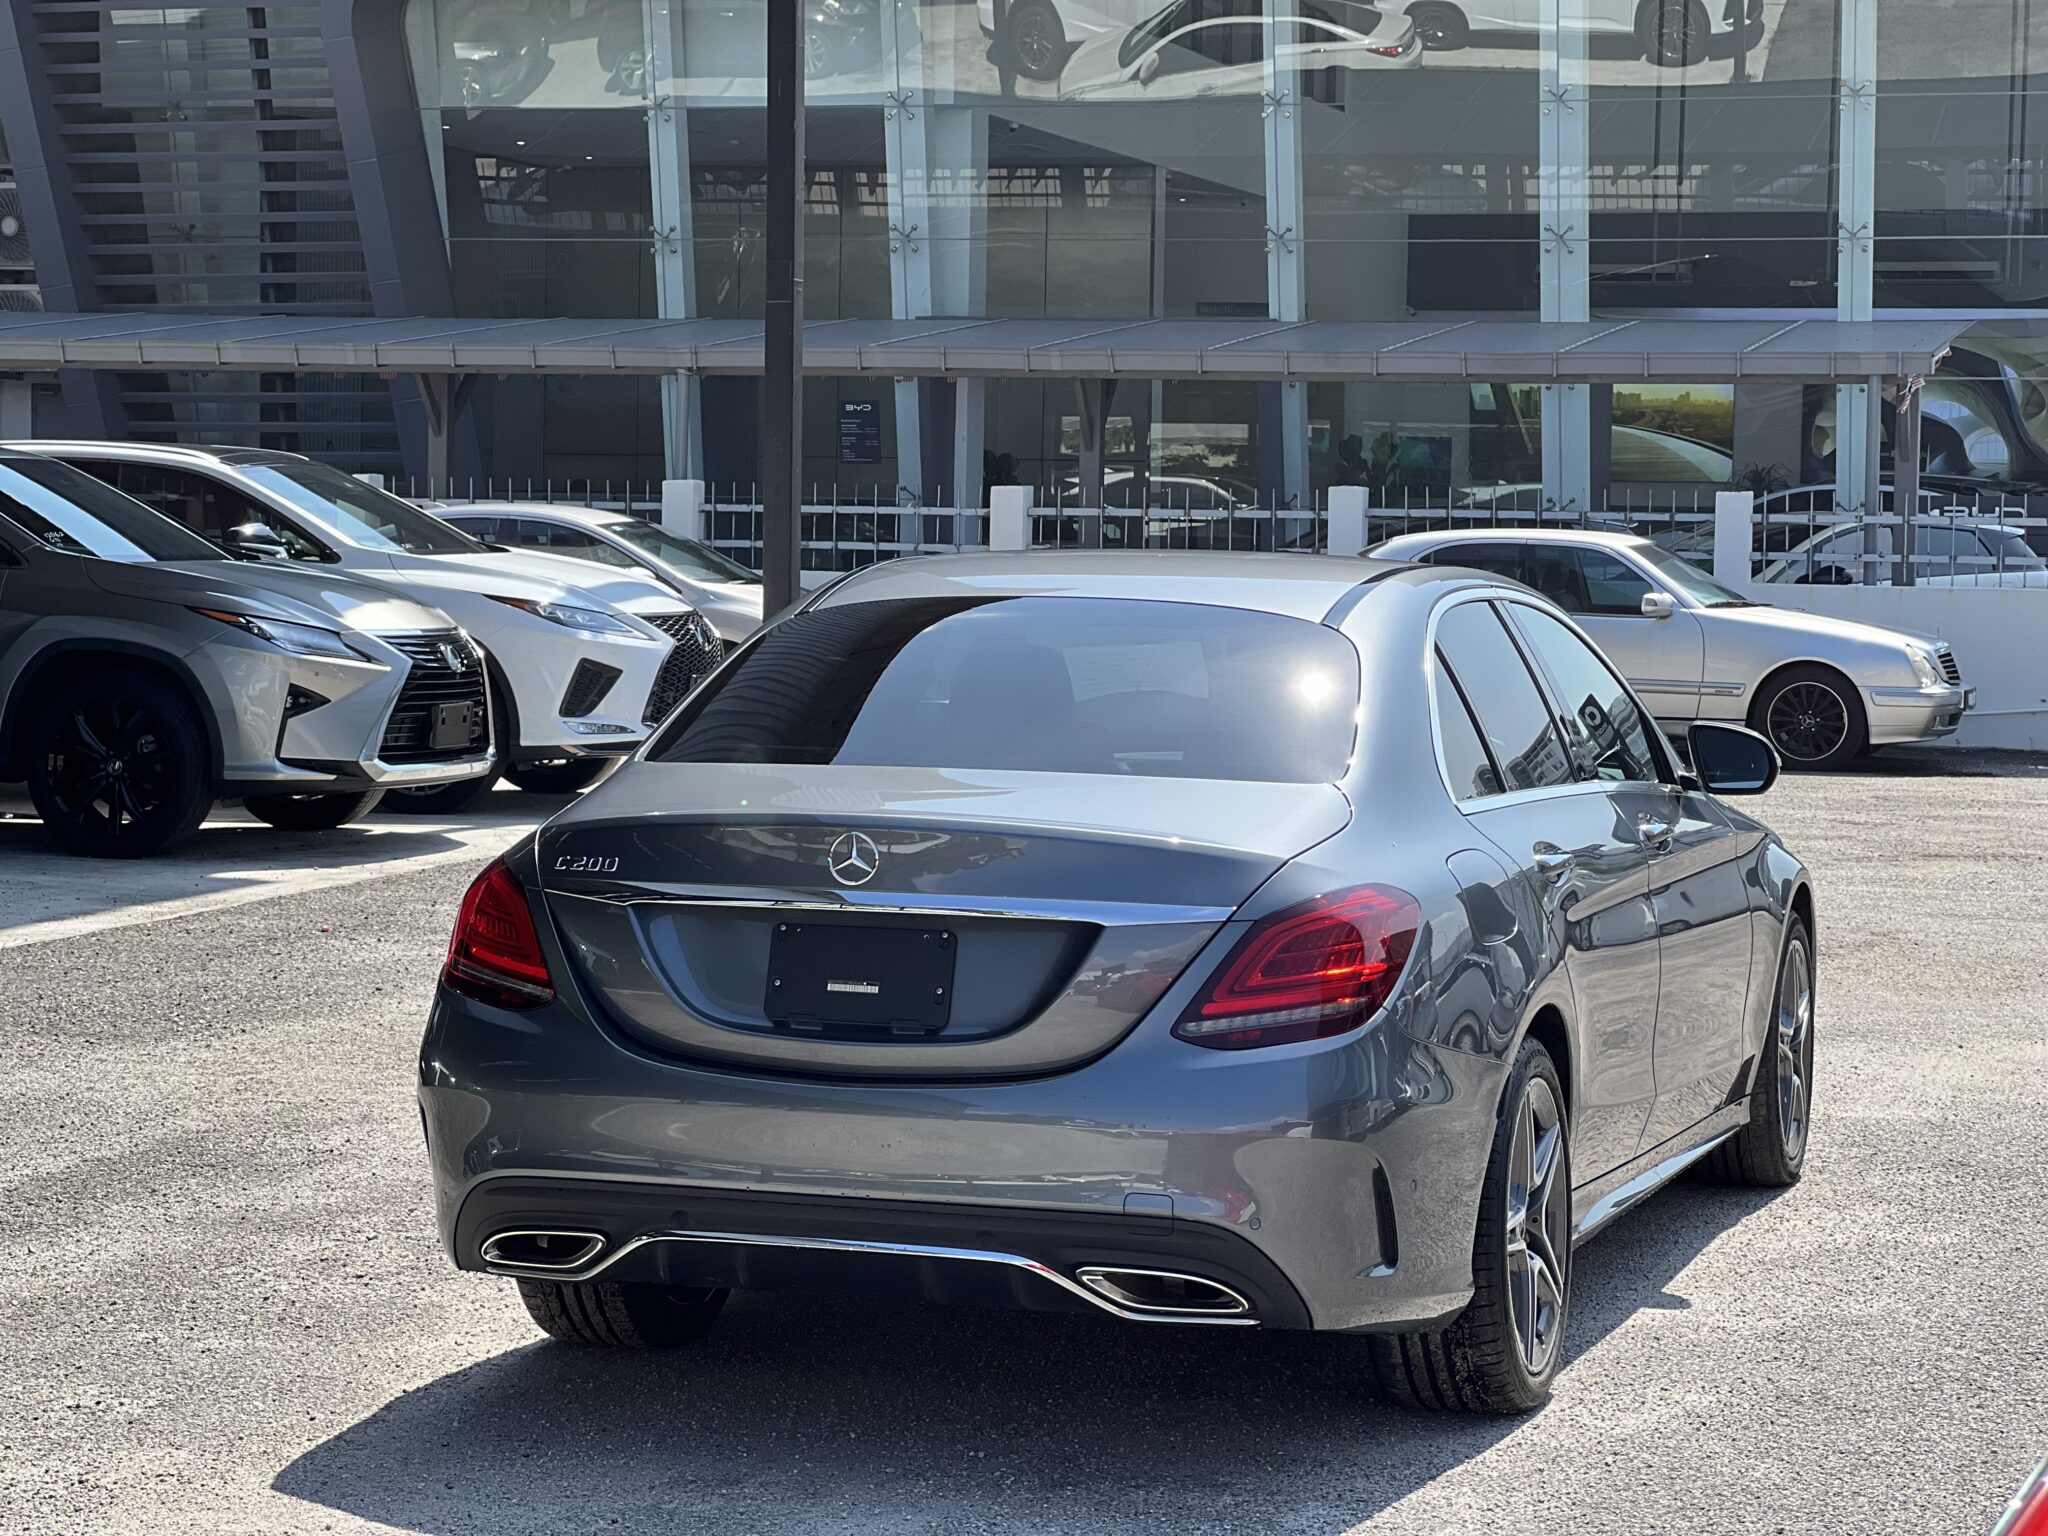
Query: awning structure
x=1592, y=352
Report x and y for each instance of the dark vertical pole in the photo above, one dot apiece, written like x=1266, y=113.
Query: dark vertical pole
x=782, y=372
x=1906, y=478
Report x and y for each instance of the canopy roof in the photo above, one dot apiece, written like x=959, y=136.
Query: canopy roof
x=1598, y=351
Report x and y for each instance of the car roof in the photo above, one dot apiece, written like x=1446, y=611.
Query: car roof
x=1302, y=586
x=161, y=453
x=596, y=517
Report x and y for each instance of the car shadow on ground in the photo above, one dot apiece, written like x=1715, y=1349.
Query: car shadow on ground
x=798, y=1414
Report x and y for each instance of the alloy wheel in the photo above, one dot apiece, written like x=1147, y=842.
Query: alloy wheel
x=1037, y=43
x=1539, y=1228
x=107, y=765
x=1808, y=721
x=1795, y=1050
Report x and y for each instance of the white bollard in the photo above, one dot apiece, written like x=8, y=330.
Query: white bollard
x=1009, y=517
x=683, y=511
x=1734, y=513
x=1348, y=506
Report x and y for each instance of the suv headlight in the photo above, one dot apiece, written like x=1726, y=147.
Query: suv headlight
x=299, y=639
x=1925, y=669
x=590, y=620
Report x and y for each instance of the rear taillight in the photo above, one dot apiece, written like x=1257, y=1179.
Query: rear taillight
x=1314, y=970
x=495, y=954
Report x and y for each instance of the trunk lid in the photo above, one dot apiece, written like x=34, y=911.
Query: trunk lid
x=1050, y=910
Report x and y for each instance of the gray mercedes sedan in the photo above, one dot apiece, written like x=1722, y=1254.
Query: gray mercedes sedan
x=1200, y=939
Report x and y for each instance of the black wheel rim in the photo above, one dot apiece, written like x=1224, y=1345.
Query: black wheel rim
x=1808, y=721
x=1434, y=30
x=1034, y=42
x=108, y=768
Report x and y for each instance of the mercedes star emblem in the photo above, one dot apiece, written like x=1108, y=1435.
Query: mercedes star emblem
x=853, y=858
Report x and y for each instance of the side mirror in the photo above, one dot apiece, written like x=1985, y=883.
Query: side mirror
x=1731, y=759
x=257, y=541
x=1659, y=605
x=1149, y=70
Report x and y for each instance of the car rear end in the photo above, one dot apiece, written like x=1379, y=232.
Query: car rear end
x=974, y=948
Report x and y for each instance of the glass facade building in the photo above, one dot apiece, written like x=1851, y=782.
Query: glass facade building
x=1555, y=160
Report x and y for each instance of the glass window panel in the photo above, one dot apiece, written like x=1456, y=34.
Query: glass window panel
x=1609, y=736
x=1505, y=700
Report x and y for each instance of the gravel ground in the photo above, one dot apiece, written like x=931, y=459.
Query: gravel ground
x=224, y=1310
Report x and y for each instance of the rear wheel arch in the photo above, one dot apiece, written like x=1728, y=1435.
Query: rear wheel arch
x=1549, y=1029
x=67, y=659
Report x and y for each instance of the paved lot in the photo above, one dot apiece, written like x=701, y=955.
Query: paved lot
x=223, y=1310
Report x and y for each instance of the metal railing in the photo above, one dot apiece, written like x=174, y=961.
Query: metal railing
x=1963, y=537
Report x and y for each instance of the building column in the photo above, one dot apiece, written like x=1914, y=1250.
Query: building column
x=675, y=244
x=1565, y=133
x=1286, y=278
x=938, y=241
x=1855, y=247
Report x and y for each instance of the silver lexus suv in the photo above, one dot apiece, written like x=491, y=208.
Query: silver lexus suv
x=144, y=675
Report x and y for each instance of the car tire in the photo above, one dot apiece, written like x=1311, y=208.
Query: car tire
x=611, y=1315
x=1769, y=1152
x=1440, y=27
x=118, y=765
x=1813, y=715
x=1675, y=32
x=563, y=778
x=1502, y=1352
x=311, y=813
x=1038, y=40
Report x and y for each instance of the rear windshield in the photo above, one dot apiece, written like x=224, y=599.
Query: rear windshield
x=1042, y=684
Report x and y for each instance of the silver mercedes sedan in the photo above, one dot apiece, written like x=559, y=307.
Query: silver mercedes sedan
x=1824, y=690
x=1196, y=939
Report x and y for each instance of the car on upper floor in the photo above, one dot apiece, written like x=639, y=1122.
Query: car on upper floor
x=718, y=587
x=1824, y=690
x=582, y=661
x=1669, y=32
x=1200, y=940
x=1201, y=48
x=145, y=675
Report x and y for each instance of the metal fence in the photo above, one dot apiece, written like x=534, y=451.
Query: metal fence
x=1962, y=536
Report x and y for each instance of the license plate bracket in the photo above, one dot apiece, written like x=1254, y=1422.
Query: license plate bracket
x=825, y=975
x=451, y=726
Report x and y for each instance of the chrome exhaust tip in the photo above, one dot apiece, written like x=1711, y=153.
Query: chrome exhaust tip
x=1162, y=1292
x=543, y=1250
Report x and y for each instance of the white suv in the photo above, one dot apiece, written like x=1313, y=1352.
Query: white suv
x=582, y=661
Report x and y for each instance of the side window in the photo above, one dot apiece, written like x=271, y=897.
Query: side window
x=1494, y=559
x=1508, y=706
x=207, y=507
x=1585, y=580
x=1467, y=764
x=580, y=545
x=1609, y=736
x=486, y=528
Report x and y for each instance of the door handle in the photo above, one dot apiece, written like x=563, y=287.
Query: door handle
x=1654, y=833
x=1552, y=862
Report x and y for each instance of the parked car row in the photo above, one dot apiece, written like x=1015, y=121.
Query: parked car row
x=183, y=625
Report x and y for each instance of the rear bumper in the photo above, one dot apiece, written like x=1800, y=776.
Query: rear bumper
x=988, y=1255
x=1336, y=1185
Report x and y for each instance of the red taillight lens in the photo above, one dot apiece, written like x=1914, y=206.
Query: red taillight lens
x=495, y=955
x=1312, y=971
x=2027, y=1515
